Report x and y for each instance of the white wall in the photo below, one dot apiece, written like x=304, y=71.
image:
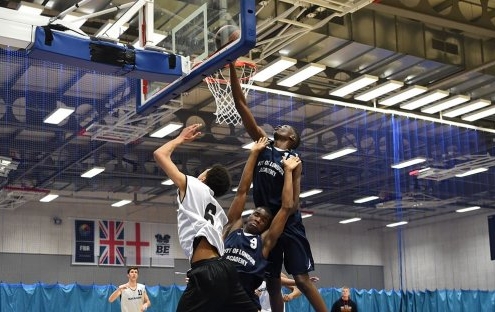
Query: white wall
x=335, y=243
x=30, y=228
x=451, y=254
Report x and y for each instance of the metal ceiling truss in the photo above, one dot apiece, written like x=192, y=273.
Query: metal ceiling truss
x=475, y=161
x=277, y=32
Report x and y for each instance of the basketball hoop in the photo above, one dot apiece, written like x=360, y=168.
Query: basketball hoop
x=219, y=85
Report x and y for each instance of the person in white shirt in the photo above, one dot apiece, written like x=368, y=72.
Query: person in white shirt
x=133, y=296
x=213, y=283
x=287, y=283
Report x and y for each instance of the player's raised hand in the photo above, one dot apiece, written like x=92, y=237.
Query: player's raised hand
x=260, y=144
x=191, y=133
x=290, y=163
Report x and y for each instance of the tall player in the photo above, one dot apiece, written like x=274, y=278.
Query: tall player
x=248, y=244
x=293, y=248
x=133, y=296
x=213, y=281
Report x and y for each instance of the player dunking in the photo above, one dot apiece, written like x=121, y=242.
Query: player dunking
x=213, y=281
x=249, y=245
x=292, y=248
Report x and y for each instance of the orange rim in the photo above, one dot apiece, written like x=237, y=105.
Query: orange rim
x=237, y=63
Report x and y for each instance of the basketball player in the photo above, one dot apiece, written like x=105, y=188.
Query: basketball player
x=292, y=248
x=249, y=245
x=287, y=282
x=133, y=296
x=213, y=281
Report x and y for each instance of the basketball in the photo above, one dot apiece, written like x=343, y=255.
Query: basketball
x=226, y=34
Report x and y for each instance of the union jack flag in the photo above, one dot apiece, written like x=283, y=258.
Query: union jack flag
x=111, y=243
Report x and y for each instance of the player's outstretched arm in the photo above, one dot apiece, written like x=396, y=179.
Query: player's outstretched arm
x=278, y=223
x=252, y=128
x=117, y=293
x=234, y=215
x=146, y=301
x=163, y=156
x=296, y=186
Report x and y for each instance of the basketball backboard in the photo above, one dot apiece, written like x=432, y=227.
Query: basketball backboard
x=190, y=27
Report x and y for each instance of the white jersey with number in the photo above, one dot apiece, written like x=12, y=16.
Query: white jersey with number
x=131, y=300
x=199, y=215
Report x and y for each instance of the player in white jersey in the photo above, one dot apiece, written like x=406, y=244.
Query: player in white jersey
x=133, y=296
x=213, y=281
x=288, y=283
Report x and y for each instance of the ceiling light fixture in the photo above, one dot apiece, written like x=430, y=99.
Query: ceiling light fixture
x=302, y=74
x=471, y=172
x=349, y=220
x=247, y=212
x=58, y=115
x=407, y=163
x=370, y=108
x=339, y=153
x=167, y=182
x=365, y=199
x=274, y=68
x=425, y=99
x=468, y=209
x=482, y=113
x=166, y=130
x=445, y=104
x=92, y=172
x=6, y=165
x=379, y=90
x=48, y=198
x=396, y=224
x=310, y=193
x=249, y=145
x=466, y=108
x=121, y=203
x=403, y=95
x=236, y=188
x=305, y=214
x=415, y=172
x=353, y=85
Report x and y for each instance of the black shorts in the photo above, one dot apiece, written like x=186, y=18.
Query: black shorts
x=292, y=249
x=214, y=287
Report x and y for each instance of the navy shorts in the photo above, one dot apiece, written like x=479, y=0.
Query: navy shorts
x=292, y=249
x=214, y=286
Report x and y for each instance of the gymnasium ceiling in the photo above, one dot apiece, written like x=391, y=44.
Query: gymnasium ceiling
x=447, y=45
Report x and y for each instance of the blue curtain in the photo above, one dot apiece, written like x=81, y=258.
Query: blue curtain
x=74, y=297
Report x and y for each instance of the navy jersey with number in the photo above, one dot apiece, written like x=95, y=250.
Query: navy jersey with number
x=246, y=252
x=268, y=178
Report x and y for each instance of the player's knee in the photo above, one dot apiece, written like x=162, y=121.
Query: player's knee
x=303, y=282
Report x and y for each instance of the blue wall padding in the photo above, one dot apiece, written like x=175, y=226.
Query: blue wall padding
x=42, y=297
x=77, y=51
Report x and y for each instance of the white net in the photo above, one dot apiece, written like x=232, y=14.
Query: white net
x=219, y=85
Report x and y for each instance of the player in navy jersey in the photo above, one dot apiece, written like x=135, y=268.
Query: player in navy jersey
x=293, y=248
x=214, y=284
x=248, y=244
